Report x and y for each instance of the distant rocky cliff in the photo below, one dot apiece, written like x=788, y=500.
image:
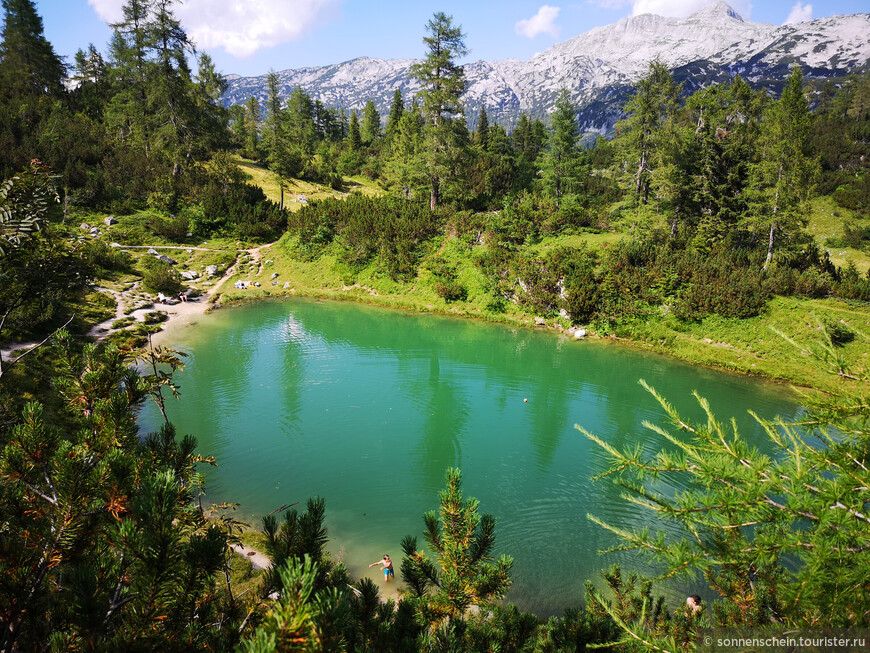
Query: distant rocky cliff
x=600, y=66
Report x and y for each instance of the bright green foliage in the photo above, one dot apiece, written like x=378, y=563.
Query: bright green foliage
x=443, y=83
x=298, y=537
x=463, y=572
x=784, y=178
x=747, y=517
x=304, y=618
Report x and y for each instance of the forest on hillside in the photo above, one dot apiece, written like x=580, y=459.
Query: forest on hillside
x=105, y=545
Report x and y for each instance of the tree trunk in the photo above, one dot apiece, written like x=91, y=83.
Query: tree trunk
x=769, y=247
x=281, y=203
x=433, y=195
x=676, y=223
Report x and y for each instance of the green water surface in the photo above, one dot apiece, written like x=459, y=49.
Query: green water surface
x=367, y=407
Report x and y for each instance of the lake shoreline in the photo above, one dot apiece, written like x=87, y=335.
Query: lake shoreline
x=186, y=315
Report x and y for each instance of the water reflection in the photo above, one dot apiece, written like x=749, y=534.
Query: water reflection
x=367, y=407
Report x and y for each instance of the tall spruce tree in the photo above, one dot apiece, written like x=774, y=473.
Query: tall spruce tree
x=397, y=108
x=371, y=124
x=482, y=137
x=354, y=139
x=29, y=66
x=443, y=83
x=561, y=161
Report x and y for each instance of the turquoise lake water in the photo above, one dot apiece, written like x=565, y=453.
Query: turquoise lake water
x=367, y=407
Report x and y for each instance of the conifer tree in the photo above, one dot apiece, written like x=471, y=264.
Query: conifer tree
x=397, y=109
x=654, y=101
x=371, y=124
x=561, y=162
x=354, y=140
x=463, y=573
x=29, y=66
x=443, y=83
x=784, y=178
x=252, y=128
x=482, y=137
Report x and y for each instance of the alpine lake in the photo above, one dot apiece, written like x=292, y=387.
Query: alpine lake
x=367, y=407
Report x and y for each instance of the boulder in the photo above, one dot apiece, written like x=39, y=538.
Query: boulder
x=274, y=275
x=190, y=251
x=580, y=334
x=190, y=275
x=211, y=270
x=153, y=251
x=286, y=285
x=166, y=259
x=114, y=244
x=85, y=226
x=539, y=321
x=109, y=220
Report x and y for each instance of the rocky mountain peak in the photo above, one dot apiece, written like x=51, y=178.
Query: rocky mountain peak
x=717, y=11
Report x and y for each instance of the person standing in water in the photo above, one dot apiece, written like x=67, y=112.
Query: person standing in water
x=388, y=567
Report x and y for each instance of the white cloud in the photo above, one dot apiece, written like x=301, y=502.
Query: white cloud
x=800, y=13
x=241, y=27
x=108, y=10
x=543, y=22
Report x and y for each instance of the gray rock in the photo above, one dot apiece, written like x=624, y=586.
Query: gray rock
x=211, y=270
x=539, y=321
x=190, y=251
x=166, y=259
x=580, y=334
x=190, y=275
x=153, y=252
x=109, y=220
x=274, y=275
x=85, y=226
x=286, y=285
x=114, y=244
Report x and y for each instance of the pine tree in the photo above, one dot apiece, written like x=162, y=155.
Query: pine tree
x=29, y=66
x=252, y=128
x=443, y=83
x=482, y=137
x=354, y=140
x=397, y=109
x=561, y=162
x=371, y=124
x=463, y=573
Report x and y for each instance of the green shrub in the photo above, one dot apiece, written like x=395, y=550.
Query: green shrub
x=173, y=228
x=451, y=291
x=161, y=277
x=154, y=317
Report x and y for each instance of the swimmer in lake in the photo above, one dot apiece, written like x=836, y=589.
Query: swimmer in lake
x=388, y=567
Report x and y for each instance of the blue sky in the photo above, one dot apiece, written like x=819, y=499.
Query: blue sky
x=250, y=37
